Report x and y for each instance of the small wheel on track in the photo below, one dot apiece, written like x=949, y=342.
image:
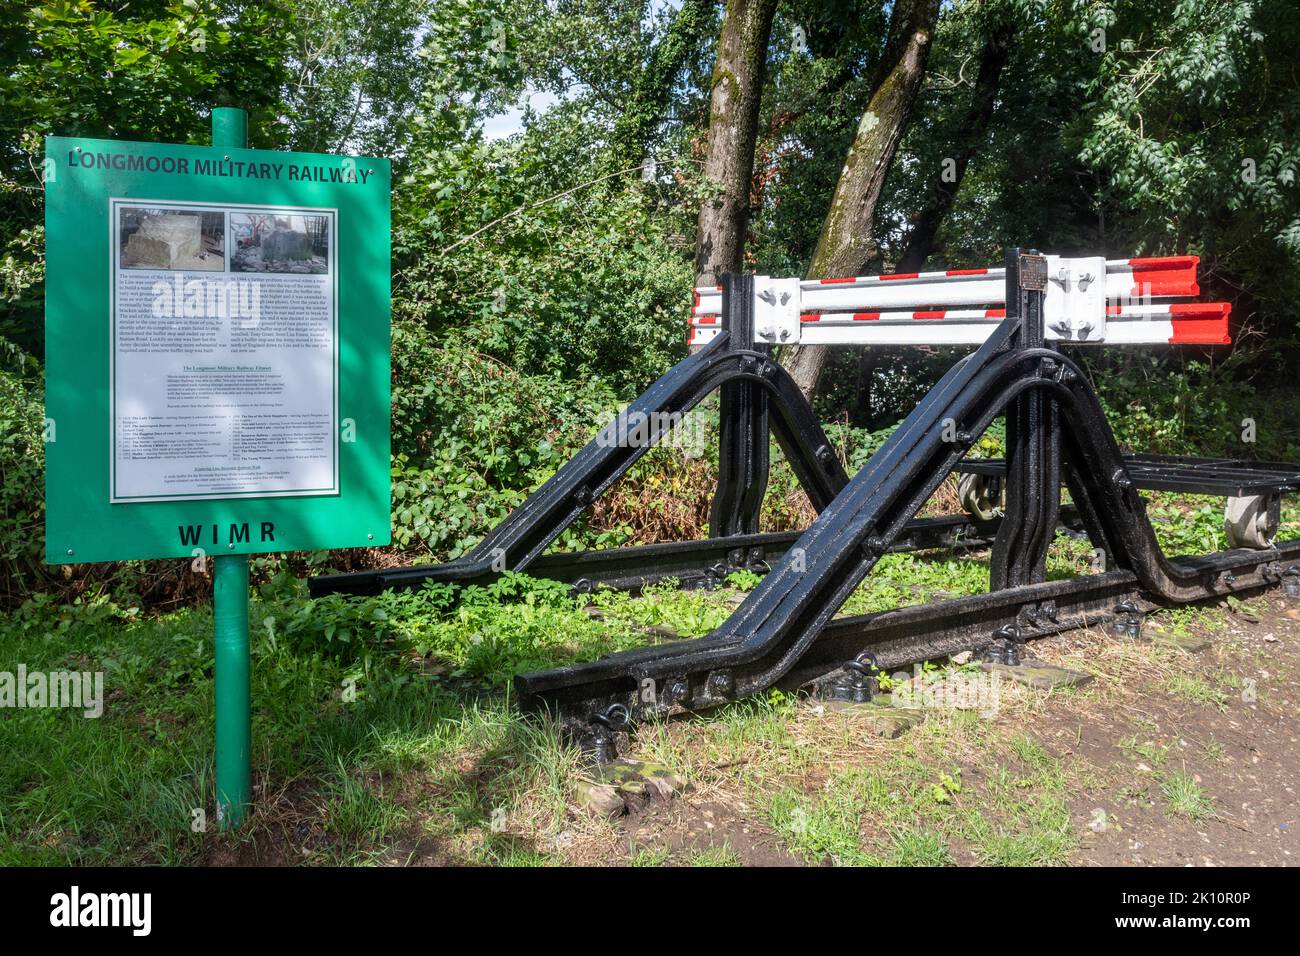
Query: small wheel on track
x=1250, y=521
x=980, y=496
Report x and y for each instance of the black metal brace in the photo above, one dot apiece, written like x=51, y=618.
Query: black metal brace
x=785, y=630
x=743, y=431
x=776, y=632
x=1033, y=456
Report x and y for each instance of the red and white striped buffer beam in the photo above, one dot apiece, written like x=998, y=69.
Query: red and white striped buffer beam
x=1088, y=300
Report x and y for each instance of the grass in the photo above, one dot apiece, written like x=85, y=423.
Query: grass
x=1214, y=751
x=1153, y=754
x=1185, y=797
x=1027, y=821
x=357, y=812
x=688, y=613
x=1194, y=689
x=902, y=579
x=914, y=808
x=919, y=848
x=722, y=855
x=828, y=826
x=344, y=779
x=431, y=760
x=646, y=856
x=1192, y=619
x=1047, y=843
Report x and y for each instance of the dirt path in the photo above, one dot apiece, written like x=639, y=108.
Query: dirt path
x=1227, y=721
x=1168, y=757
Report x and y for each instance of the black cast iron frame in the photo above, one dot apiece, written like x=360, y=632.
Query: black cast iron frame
x=785, y=631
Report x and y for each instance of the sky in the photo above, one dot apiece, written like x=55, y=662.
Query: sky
x=511, y=121
x=508, y=123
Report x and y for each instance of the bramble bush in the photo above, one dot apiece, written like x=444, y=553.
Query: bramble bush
x=471, y=437
x=22, y=506
x=538, y=283
x=1161, y=405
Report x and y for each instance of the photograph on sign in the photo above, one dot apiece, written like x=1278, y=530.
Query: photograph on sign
x=270, y=242
x=172, y=239
x=224, y=381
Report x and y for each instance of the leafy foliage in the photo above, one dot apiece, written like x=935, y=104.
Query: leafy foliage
x=541, y=278
x=22, y=454
x=578, y=283
x=148, y=71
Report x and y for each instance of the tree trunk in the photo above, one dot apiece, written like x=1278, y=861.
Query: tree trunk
x=970, y=137
x=733, y=128
x=845, y=245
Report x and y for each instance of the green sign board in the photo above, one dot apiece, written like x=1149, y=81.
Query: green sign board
x=217, y=351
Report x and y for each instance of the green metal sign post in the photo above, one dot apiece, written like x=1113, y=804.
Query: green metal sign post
x=217, y=370
x=232, y=662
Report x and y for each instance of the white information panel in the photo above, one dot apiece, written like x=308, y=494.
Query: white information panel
x=224, y=375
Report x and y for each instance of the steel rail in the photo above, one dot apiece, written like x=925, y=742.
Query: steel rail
x=533, y=526
x=786, y=613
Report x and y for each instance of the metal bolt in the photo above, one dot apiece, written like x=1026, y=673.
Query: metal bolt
x=856, y=684
x=616, y=715
x=1290, y=582
x=1005, y=648
x=1127, y=621
x=719, y=684
x=601, y=743
x=70, y=550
